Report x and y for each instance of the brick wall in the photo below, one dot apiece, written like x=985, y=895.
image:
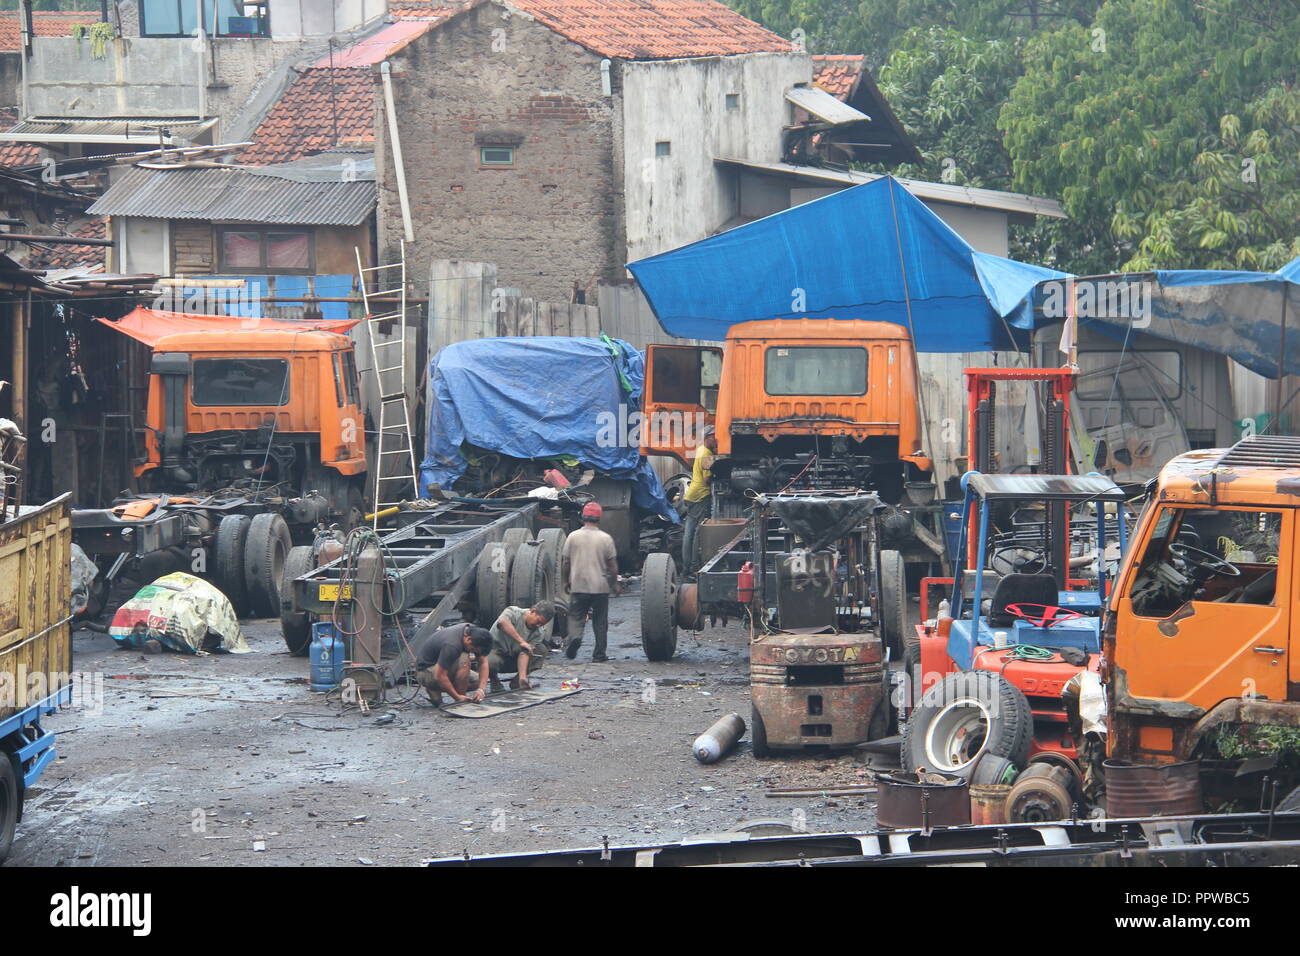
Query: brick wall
x=555, y=217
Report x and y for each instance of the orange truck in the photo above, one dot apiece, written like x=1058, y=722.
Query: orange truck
x=255, y=441
x=1198, y=641
x=806, y=403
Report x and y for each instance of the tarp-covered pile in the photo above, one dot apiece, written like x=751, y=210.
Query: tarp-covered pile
x=179, y=611
x=539, y=397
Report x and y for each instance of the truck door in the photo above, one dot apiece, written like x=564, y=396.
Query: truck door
x=681, y=397
x=1206, y=613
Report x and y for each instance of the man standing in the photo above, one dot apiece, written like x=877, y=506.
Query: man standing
x=443, y=663
x=590, y=574
x=698, y=497
x=518, y=645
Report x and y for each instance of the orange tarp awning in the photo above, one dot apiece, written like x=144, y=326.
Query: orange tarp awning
x=150, y=325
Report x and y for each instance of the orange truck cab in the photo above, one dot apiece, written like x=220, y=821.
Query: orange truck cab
x=1199, y=643
x=265, y=407
x=824, y=403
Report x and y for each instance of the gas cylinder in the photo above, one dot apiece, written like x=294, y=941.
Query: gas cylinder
x=745, y=583
x=328, y=653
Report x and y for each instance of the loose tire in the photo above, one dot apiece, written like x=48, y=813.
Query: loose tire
x=659, y=606
x=296, y=625
x=228, y=563
x=963, y=717
x=551, y=542
x=758, y=735
x=893, y=602
x=8, y=804
x=264, y=555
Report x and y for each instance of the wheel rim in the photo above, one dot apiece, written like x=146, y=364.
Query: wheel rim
x=957, y=735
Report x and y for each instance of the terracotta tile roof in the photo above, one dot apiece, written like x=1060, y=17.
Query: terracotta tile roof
x=837, y=72
x=638, y=29
x=46, y=23
x=16, y=154
x=70, y=256
x=303, y=120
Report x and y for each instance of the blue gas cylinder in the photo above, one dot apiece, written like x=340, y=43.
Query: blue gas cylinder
x=327, y=656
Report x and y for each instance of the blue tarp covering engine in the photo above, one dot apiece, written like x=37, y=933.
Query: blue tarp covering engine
x=540, y=397
x=872, y=252
x=1251, y=317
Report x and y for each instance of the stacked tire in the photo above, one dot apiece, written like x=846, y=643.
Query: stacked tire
x=521, y=570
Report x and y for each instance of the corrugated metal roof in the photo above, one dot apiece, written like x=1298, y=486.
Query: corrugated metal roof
x=243, y=195
x=824, y=106
x=126, y=130
x=935, y=192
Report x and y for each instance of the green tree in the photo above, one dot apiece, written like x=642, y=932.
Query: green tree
x=1169, y=130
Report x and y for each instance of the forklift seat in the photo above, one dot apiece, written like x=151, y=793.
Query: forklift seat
x=1021, y=589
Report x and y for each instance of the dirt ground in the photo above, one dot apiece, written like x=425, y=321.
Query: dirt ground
x=231, y=760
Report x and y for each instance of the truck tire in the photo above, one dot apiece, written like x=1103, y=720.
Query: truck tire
x=228, y=563
x=295, y=625
x=659, y=607
x=264, y=555
x=551, y=541
x=963, y=717
x=492, y=582
x=9, y=797
x=530, y=580
x=757, y=735
x=893, y=603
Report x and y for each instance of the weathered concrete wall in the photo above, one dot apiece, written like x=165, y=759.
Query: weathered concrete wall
x=491, y=78
x=11, y=79
x=681, y=197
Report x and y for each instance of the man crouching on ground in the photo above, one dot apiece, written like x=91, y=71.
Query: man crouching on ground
x=443, y=663
x=518, y=644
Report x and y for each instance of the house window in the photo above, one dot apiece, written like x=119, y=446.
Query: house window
x=663, y=148
x=733, y=101
x=223, y=18
x=252, y=249
x=496, y=155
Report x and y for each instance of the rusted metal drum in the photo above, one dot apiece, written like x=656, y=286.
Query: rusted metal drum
x=1152, y=790
x=988, y=803
x=714, y=533
x=906, y=800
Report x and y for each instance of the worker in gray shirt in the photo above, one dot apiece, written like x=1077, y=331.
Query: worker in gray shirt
x=590, y=575
x=519, y=644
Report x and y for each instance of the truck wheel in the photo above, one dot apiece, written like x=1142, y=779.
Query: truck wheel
x=228, y=566
x=659, y=607
x=757, y=735
x=893, y=603
x=264, y=553
x=8, y=805
x=963, y=717
x=530, y=580
x=296, y=625
x=492, y=582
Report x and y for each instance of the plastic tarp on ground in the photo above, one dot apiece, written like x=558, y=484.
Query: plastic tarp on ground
x=539, y=397
x=1251, y=317
x=872, y=252
x=150, y=325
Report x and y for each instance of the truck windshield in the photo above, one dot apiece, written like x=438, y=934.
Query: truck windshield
x=240, y=381
x=816, y=370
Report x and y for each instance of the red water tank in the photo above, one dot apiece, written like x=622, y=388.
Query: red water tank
x=745, y=583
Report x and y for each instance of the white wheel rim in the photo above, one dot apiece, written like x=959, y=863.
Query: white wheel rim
x=956, y=735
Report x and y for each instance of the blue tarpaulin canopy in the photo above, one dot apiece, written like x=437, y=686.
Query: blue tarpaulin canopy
x=872, y=252
x=539, y=397
x=1251, y=317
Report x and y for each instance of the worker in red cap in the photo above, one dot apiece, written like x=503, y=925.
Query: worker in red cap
x=590, y=575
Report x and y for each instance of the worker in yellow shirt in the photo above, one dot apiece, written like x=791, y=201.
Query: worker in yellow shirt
x=698, y=497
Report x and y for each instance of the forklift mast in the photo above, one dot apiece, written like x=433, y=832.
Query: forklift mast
x=1053, y=417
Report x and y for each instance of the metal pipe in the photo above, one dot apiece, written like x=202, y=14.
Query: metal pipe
x=391, y=110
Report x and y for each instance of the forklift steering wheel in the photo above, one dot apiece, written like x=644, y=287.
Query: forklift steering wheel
x=1210, y=563
x=1042, y=615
